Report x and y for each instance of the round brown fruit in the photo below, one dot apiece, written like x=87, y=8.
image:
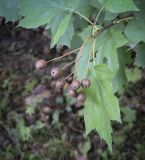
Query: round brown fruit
x=56, y=72
x=40, y=64
x=72, y=93
x=75, y=84
x=69, y=79
x=81, y=97
x=85, y=83
x=60, y=83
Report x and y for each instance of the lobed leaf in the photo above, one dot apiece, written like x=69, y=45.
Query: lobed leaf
x=9, y=9
x=107, y=44
x=119, y=6
x=101, y=105
x=135, y=31
x=120, y=80
x=82, y=60
x=62, y=28
x=140, y=56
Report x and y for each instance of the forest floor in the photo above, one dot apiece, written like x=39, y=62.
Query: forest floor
x=38, y=123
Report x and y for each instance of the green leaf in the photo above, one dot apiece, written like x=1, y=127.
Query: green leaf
x=39, y=125
x=96, y=4
x=107, y=44
x=129, y=114
x=29, y=86
x=133, y=74
x=135, y=31
x=85, y=33
x=55, y=15
x=9, y=9
x=85, y=147
x=61, y=28
x=82, y=60
x=101, y=105
x=119, y=6
x=110, y=16
x=25, y=132
x=67, y=36
x=120, y=79
x=34, y=22
x=141, y=5
x=39, y=12
x=76, y=42
x=30, y=110
x=140, y=56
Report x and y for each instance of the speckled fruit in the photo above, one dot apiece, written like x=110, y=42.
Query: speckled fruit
x=56, y=72
x=40, y=64
x=60, y=83
x=69, y=79
x=85, y=83
x=81, y=97
x=72, y=93
x=75, y=84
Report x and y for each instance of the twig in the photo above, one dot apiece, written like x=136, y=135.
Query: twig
x=90, y=53
x=112, y=24
x=68, y=65
x=63, y=55
x=83, y=17
x=69, y=75
x=94, y=51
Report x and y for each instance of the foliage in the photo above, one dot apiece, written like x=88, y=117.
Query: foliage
x=118, y=26
x=101, y=106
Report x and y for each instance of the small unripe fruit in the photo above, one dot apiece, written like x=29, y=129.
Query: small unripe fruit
x=81, y=97
x=56, y=72
x=85, y=83
x=60, y=83
x=72, y=93
x=75, y=84
x=40, y=64
x=69, y=79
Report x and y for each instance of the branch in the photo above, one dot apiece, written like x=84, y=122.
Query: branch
x=112, y=24
x=63, y=55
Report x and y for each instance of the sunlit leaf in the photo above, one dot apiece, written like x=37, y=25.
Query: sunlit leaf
x=140, y=57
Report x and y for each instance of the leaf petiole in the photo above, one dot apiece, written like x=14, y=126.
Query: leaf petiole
x=63, y=55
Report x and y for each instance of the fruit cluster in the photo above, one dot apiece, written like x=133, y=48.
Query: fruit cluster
x=57, y=73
